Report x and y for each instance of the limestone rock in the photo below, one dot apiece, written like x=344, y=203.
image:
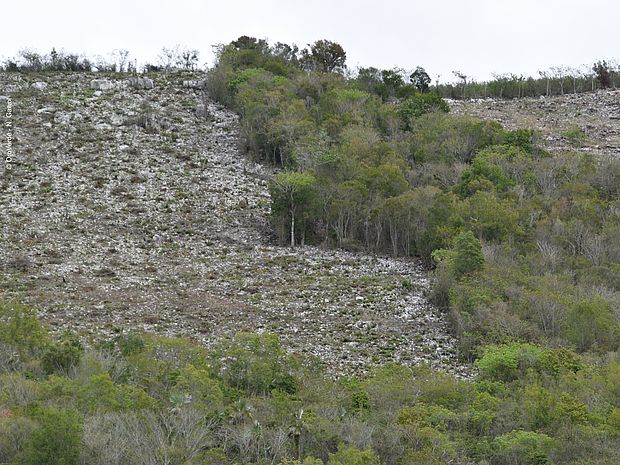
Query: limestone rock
x=101, y=84
x=11, y=88
x=39, y=85
x=140, y=83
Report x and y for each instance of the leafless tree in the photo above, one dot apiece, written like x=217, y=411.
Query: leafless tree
x=463, y=78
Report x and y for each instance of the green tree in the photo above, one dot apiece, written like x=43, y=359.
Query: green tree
x=468, y=257
x=419, y=104
x=420, y=79
x=61, y=356
x=56, y=441
x=292, y=193
x=352, y=456
x=325, y=56
x=591, y=325
x=523, y=448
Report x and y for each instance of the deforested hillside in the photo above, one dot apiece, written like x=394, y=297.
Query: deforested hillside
x=586, y=122
x=280, y=261
x=129, y=206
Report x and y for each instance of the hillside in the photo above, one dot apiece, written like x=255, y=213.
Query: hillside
x=127, y=211
x=587, y=122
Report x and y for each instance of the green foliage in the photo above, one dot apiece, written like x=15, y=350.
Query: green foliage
x=56, y=440
x=524, y=448
x=521, y=138
x=293, y=195
x=468, y=257
x=482, y=175
x=129, y=344
x=576, y=136
x=20, y=328
x=419, y=104
x=62, y=355
x=249, y=391
x=591, y=326
x=255, y=363
x=507, y=362
x=489, y=217
x=349, y=455
x=420, y=79
x=325, y=56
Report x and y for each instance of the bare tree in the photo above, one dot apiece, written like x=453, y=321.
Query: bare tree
x=463, y=78
x=559, y=74
x=545, y=75
x=120, y=57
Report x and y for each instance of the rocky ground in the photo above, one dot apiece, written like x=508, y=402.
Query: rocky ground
x=588, y=122
x=125, y=208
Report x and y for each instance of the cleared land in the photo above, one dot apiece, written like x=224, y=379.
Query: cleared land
x=125, y=210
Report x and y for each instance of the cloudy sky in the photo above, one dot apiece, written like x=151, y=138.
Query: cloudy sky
x=477, y=37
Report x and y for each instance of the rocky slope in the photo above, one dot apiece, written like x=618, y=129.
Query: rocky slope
x=124, y=209
x=588, y=122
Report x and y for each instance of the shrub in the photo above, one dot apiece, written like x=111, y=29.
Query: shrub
x=20, y=328
x=591, y=325
x=468, y=257
x=254, y=363
x=55, y=441
x=419, y=104
x=62, y=355
x=507, y=362
x=349, y=455
x=523, y=448
x=576, y=136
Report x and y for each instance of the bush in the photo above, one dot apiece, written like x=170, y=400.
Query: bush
x=468, y=256
x=20, y=328
x=591, y=326
x=576, y=136
x=508, y=362
x=56, y=440
x=59, y=357
x=419, y=104
x=352, y=456
x=254, y=363
x=523, y=448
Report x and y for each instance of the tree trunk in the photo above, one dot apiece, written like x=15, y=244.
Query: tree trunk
x=292, y=229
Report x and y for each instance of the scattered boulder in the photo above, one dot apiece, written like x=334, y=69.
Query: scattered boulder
x=11, y=88
x=140, y=83
x=39, y=85
x=46, y=113
x=117, y=120
x=202, y=111
x=62, y=118
x=195, y=83
x=101, y=84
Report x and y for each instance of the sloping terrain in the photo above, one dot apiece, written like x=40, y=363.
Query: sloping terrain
x=125, y=210
x=592, y=119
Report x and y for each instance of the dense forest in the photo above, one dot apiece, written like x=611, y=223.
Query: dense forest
x=523, y=249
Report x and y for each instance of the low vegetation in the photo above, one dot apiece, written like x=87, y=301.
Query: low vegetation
x=141, y=399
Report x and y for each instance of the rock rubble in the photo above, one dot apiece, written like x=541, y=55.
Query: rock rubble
x=111, y=224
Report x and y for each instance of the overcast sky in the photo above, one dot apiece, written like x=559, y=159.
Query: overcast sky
x=477, y=37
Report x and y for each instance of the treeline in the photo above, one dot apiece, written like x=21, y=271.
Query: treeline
x=140, y=400
x=557, y=80
x=118, y=61
x=401, y=176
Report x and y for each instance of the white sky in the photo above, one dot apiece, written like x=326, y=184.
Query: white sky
x=477, y=37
